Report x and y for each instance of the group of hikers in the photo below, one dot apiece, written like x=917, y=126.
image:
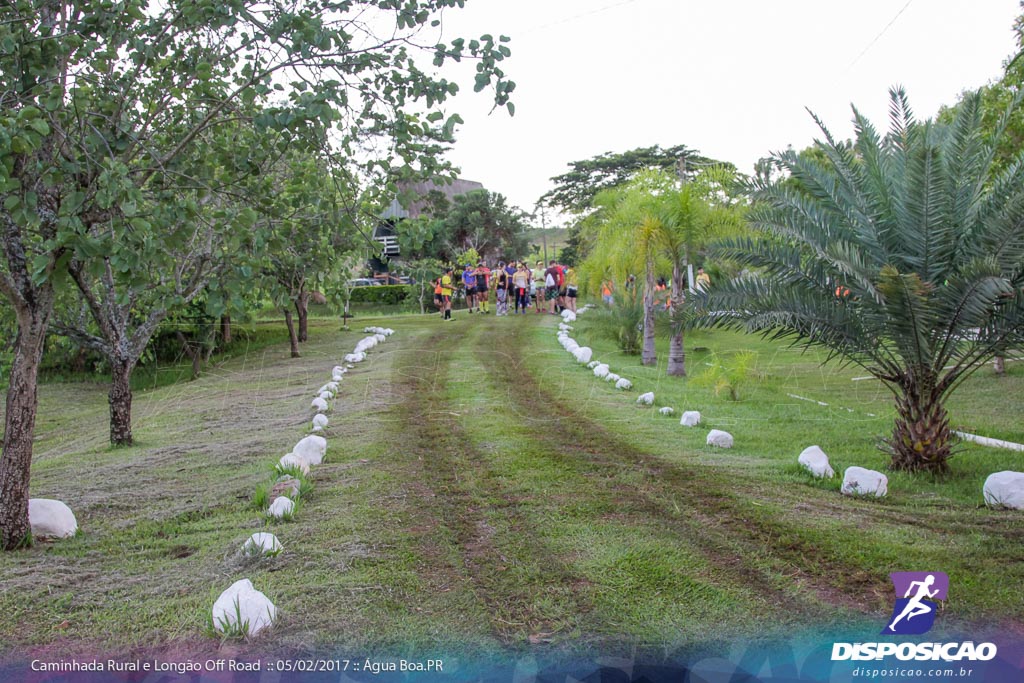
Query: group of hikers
x=546, y=290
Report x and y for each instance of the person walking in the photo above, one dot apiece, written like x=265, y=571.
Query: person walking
x=483, y=283
x=551, y=285
x=571, y=288
x=469, y=283
x=438, y=299
x=521, y=285
x=538, y=287
x=501, y=284
x=446, y=293
x=606, y=293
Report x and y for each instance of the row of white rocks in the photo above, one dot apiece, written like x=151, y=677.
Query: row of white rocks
x=584, y=354
x=1000, y=489
x=242, y=608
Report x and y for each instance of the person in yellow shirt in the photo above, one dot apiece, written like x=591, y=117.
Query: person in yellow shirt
x=703, y=280
x=571, y=288
x=446, y=294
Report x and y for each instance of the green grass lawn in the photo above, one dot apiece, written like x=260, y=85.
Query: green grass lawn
x=484, y=493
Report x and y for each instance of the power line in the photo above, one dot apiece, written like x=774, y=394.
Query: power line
x=574, y=17
x=880, y=34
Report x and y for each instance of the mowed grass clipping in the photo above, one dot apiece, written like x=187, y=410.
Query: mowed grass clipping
x=482, y=492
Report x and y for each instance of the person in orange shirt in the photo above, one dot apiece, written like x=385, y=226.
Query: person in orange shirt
x=606, y=292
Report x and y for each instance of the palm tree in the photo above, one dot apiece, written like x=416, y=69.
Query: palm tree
x=628, y=239
x=690, y=217
x=903, y=254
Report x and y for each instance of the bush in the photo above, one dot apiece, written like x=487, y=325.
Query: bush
x=387, y=295
x=729, y=375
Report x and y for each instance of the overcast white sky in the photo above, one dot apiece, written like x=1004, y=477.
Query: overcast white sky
x=730, y=78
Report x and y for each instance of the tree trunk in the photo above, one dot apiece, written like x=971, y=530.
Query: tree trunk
x=293, y=338
x=20, y=422
x=302, y=308
x=649, y=356
x=999, y=365
x=225, y=328
x=676, y=351
x=921, y=438
x=121, y=402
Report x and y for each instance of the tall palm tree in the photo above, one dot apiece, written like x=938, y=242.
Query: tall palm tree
x=691, y=216
x=902, y=253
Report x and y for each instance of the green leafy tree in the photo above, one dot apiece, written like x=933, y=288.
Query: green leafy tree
x=484, y=222
x=103, y=101
x=575, y=190
x=904, y=255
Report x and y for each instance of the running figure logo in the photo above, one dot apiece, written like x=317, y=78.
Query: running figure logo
x=914, y=612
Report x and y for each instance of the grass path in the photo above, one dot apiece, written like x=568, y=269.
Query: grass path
x=481, y=493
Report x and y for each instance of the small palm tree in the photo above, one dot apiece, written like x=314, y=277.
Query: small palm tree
x=691, y=215
x=903, y=254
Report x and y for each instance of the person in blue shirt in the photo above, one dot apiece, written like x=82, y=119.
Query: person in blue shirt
x=469, y=282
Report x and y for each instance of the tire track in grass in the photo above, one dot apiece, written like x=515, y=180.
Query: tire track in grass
x=461, y=502
x=650, y=585
x=737, y=539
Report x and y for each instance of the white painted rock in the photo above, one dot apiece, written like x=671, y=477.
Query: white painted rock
x=623, y=383
x=380, y=338
x=319, y=422
x=583, y=354
x=690, y=418
x=319, y=405
x=646, y=399
x=666, y=411
x=716, y=437
x=282, y=505
x=1006, y=489
x=564, y=327
x=50, y=518
x=331, y=387
x=325, y=395
x=571, y=346
x=311, y=449
x=601, y=370
x=612, y=377
x=337, y=370
x=262, y=543
x=568, y=316
x=858, y=481
x=816, y=462
x=242, y=604
x=291, y=460
x=593, y=364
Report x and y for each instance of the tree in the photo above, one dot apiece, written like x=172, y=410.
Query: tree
x=629, y=223
x=691, y=215
x=101, y=100
x=483, y=221
x=575, y=190
x=903, y=255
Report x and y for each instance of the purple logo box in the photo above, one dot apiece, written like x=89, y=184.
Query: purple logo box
x=902, y=580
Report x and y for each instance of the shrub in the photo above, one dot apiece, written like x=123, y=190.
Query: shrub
x=388, y=295
x=729, y=375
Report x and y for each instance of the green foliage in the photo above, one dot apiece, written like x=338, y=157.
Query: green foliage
x=621, y=322
x=729, y=374
x=576, y=190
x=903, y=254
x=386, y=295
